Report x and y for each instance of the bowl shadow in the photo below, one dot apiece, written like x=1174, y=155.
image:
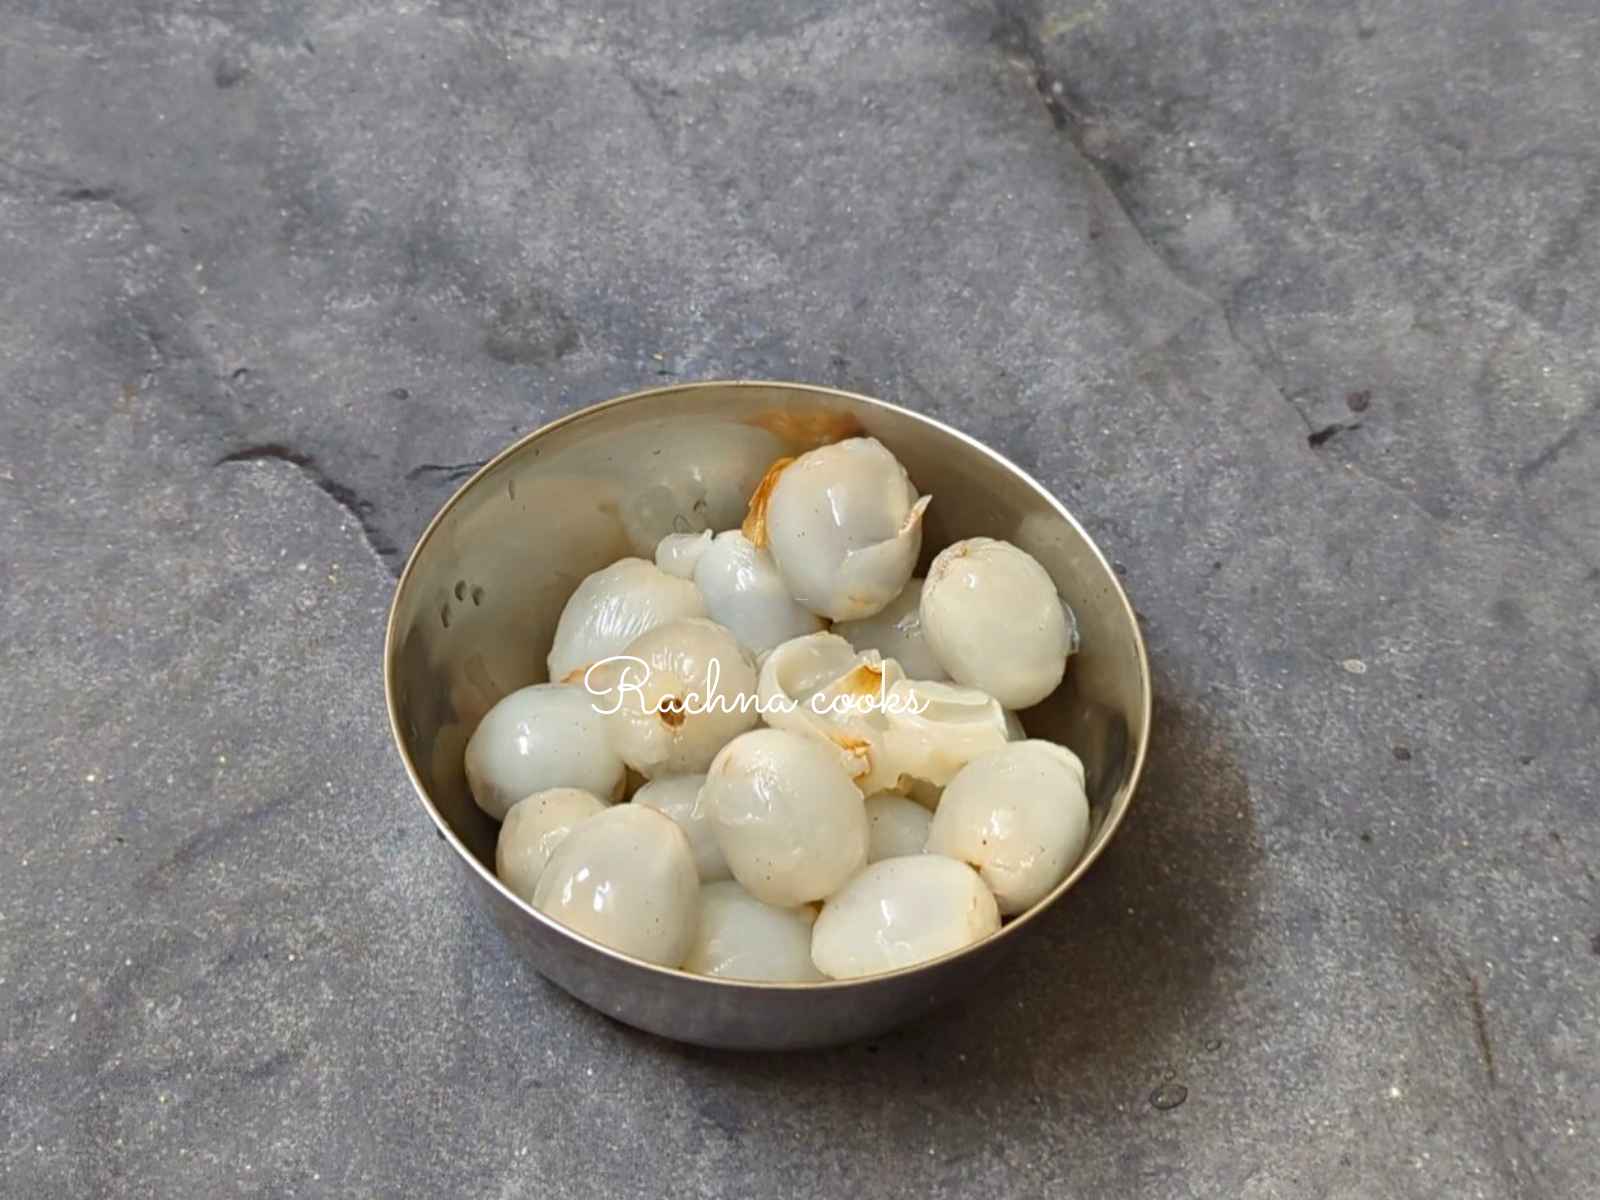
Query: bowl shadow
x=1127, y=973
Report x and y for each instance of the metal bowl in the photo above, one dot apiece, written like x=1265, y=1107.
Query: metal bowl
x=477, y=605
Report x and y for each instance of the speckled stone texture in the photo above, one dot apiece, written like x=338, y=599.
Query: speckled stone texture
x=1294, y=303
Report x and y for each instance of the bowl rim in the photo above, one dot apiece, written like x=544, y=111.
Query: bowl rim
x=1106, y=832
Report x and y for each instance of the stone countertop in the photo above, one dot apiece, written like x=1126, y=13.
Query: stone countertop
x=1293, y=303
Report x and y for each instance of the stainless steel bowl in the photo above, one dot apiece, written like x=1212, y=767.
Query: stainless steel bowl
x=477, y=605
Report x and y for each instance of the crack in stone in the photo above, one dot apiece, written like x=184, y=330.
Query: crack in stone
x=1016, y=31
x=1480, y=1029
x=88, y=195
x=1321, y=437
x=341, y=494
x=449, y=472
x=65, y=189
x=1560, y=446
x=1514, y=1157
x=1443, y=517
x=1233, y=335
x=179, y=344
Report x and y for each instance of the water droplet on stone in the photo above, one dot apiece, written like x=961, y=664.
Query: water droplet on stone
x=1168, y=1096
x=1169, y=1073
x=1214, y=1045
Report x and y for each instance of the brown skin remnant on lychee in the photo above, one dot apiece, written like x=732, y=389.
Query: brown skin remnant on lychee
x=755, y=521
x=671, y=711
x=863, y=680
x=857, y=750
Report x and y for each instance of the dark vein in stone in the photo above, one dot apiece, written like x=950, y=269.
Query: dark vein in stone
x=1480, y=1029
x=1560, y=446
x=449, y=472
x=67, y=190
x=341, y=494
x=1016, y=31
x=1320, y=437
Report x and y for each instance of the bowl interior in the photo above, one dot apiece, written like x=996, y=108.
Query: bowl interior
x=476, y=610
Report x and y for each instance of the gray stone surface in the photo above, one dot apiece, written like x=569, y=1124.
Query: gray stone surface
x=271, y=274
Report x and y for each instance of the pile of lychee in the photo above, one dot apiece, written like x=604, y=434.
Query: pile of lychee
x=835, y=779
